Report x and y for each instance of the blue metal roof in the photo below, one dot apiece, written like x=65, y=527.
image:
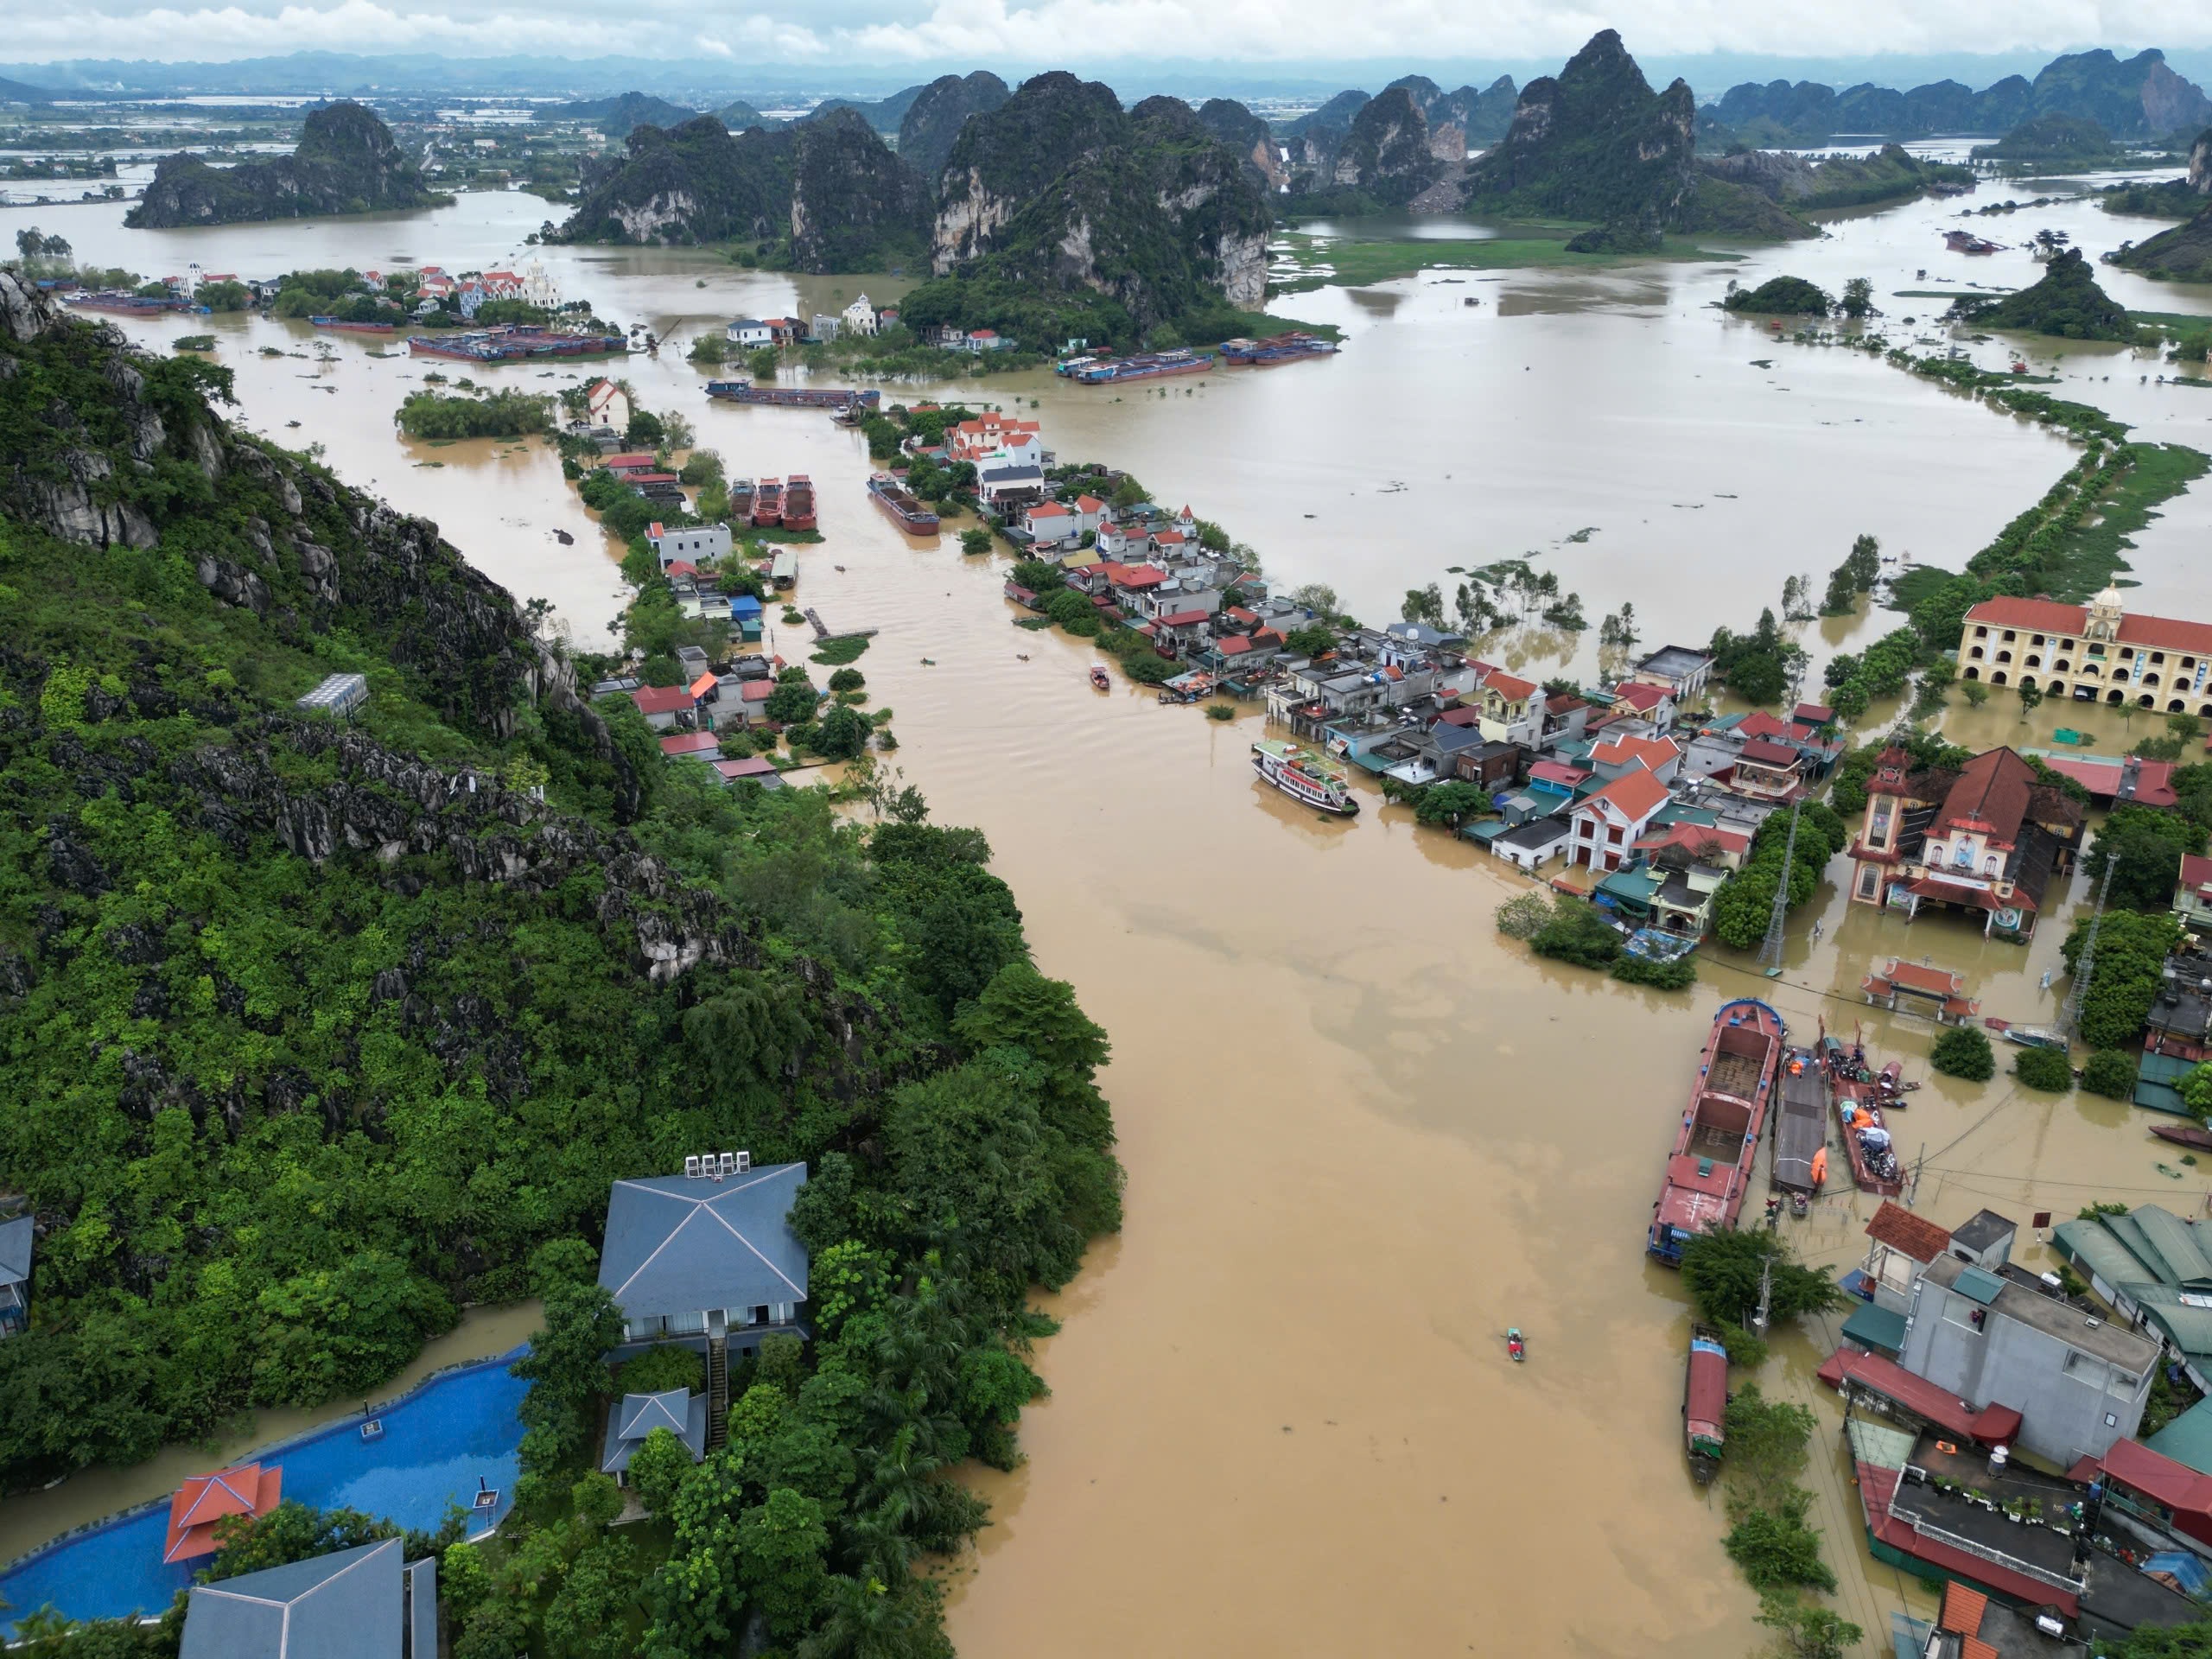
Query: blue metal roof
x=682, y=1244
x=342, y=1606
x=1978, y=1285
x=15, y=1240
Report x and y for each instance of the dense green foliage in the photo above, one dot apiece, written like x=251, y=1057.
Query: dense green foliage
x=1745, y=903
x=1964, y=1052
x=2047, y=1069
x=1777, y=1549
x=933, y=120
x=347, y=162
x=1783, y=296
x=2066, y=302
x=1577, y=933
x=2110, y=1072
x=1721, y=1268
x=279, y=1102
x=2183, y=254
x=2132, y=949
x=2149, y=843
x=2074, y=140
x=487, y=415
x=2159, y=1642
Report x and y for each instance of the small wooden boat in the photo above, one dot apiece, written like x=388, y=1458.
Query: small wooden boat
x=1100, y=680
x=2036, y=1036
x=1704, y=1403
x=2194, y=1136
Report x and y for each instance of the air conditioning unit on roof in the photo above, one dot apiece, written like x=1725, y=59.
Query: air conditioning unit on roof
x=692, y=1168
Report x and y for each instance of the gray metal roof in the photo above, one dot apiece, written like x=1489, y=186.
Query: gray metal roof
x=1537, y=832
x=1983, y=1228
x=679, y=1244
x=342, y=1606
x=633, y=1417
x=1012, y=476
x=342, y=692
x=15, y=1238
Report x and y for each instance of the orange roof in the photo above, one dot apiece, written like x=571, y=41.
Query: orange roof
x=248, y=1489
x=1048, y=510
x=1898, y=1228
x=1937, y=981
x=1636, y=795
x=1651, y=752
x=1509, y=686
x=704, y=684
x=1639, y=694
x=1962, y=1608
x=1089, y=502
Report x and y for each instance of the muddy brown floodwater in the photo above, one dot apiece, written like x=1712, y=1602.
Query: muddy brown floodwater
x=1363, y=1134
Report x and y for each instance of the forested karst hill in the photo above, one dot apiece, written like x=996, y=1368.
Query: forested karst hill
x=347, y=162
x=933, y=120
x=309, y=1033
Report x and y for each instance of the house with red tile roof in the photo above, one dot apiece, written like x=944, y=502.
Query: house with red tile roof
x=2193, y=894
x=1512, y=708
x=1899, y=1244
x=666, y=707
x=1659, y=756
x=1985, y=839
x=249, y=1489
x=1606, y=823
x=1653, y=703
x=2099, y=652
x=1696, y=843
x=692, y=746
x=1767, y=771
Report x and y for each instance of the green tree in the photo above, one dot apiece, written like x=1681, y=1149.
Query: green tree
x=1758, y=678
x=1721, y=1269
x=2110, y=1072
x=1777, y=1549
x=842, y=735
x=1451, y=803
x=2047, y=1069
x=658, y=1468
x=1963, y=1051
x=2030, y=699
x=1312, y=639
x=1858, y=297
x=2149, y=843
x=975, y=541
x=783, y=1545
x=1806, y=1630
x=791, y=703
x=566, y=1367
x=762, y=364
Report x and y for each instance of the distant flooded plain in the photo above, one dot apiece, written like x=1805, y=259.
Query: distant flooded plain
x=1363, y=1134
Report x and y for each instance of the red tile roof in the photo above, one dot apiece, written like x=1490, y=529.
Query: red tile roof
x=1136, y=575
x=2164, y=632
x=1991, y=1425
x=1509, y=686
x=751, y=766
x=1635, y=795
x=1898, y=1228
x=1183, y=619
x=1650, y=753
x=1234, y=645
x=202, y=1501
x=1050, y=510
x=1760, y=753
x=663, y=699
x=1089, y=504
x=1695, y=838
x=1638, y=693
x=1461, y=716
x=1760, y=723
x=1963, y=1609
x=2153, y=779
x=756, y=692
x=1556, y=772
x=2046, y=615
x=1914, y=977
x=1812, y=713
x=2195, y=872
x=692, y=743
x=1993, y=790
x=2156, y=1476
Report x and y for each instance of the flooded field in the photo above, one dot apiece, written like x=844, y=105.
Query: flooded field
x=1363, y=1134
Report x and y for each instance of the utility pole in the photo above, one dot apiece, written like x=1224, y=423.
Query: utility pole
x=2070, y=1020
x=1766, y=1296
x=1770, y=957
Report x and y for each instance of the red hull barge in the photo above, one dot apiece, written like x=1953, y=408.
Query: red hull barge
x=521, y=340
x=1709, y=1170
x=744, y=391
x=799, y=502
x=337, y=326
x=767, y=503
x=1704, y=1403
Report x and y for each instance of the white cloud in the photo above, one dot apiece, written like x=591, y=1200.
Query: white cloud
x=1030, y=32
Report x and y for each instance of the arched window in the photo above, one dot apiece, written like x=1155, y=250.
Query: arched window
x=1989, y=865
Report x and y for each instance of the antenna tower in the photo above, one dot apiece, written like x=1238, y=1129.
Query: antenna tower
x=2070, y=1020
x=1770, y=957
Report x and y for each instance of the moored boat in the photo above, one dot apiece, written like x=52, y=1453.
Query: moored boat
x=799, y=502
x=1293, y=347
x=768, y=503
x=744, y=391
x=1305, y=777
x=909, y=514
x=2192, y=1136
x=1704, y=1403
x=521, y=340
x=340, y=326
x=740, y=500
x=1967, y=242
x=1146, y=365
x=1862, y=1099
x=1709, y=1169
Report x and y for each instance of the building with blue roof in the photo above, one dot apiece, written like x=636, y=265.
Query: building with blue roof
x=634, y=1416
x=352, y=1604
x=706, y=1255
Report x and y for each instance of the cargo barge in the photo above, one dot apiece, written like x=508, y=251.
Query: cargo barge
x=1296, y=347
x=340, y=326
x=129, y=305
x=1710, y=1167
x=740, y=500
x=768, y=504
x=744, y=391
x=909, y=514
x=799, y=502
x=1150, y=366
x=519, y=340
x=1704, y=1403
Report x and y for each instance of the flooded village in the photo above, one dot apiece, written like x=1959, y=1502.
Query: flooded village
x=1458, y=976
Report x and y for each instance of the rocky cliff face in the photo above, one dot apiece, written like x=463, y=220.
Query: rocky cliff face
x=1234, y=125
x=1388, y=153
x=854, y=205
x=347, y=162
x=1060, y=189
x=933, y=122
x=2200, y=164
x=125, y=458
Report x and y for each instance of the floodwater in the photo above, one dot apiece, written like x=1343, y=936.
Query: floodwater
x=1363, y=1134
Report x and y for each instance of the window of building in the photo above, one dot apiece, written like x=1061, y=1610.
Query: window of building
x=1868, y=876
x=1989, y=865
x=1613, y=833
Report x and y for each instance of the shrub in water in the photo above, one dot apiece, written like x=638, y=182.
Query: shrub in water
x=2110, y=1072
x=2047, y=1069
x=1962, y=1051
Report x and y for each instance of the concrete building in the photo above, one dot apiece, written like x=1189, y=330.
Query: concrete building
x=749, y=334
x=1985, y=839
x=634, y=1416
x=1680, y=670
x=2098, y=652
x=2153, y=1269
x=860, y=317
x=1608, y=822
x=608, y=405
x=709, y=1254
x=2078, y=1380
x=694, y=545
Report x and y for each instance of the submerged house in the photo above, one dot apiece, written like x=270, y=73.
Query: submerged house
x=1985, y=839
x=361, y=1603
x=2154, y=1270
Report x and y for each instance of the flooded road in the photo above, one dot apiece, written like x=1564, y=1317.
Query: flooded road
x=1363, y=1134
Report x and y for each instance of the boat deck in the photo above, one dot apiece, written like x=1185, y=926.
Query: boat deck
x=1722, y=1145
x=1801, y=1129
x=1734, y=1074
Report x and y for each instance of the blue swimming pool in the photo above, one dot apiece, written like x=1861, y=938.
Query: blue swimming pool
x=439, y=1443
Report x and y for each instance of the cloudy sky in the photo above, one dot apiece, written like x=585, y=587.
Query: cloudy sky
x=828, y=33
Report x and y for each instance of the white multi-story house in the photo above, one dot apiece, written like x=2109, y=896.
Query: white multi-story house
x=860, y=317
